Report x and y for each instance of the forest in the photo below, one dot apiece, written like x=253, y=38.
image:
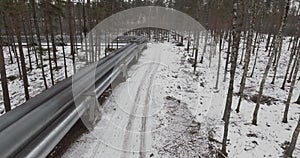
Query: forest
x=40, y=41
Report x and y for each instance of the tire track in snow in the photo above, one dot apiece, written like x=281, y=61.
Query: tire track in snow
x=145, y=114
x=149, y=73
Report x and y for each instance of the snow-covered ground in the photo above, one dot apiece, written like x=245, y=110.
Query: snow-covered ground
x=269, y=137
x=184, y=111
x=152, y=113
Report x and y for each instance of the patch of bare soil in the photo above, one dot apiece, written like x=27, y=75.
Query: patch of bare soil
x=182, y=136
x=268, y=100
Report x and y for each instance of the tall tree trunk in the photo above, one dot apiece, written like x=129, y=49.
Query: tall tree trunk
x=71, y=33
x=255, y=60
x=197, y=48
x=244, y=45
x=290, y=43
x=287, y=104
x=49, y=52
x=276, y=46
x=295, y=46
x=27, y=44
x=290, y=149
x=188, y=44
x=40, y=50
x=14, y=48
x=219, y=63
x=211, y=48
x=5, y=92
x=23, y=63
x=272, y=46
x=268, y=42
x=293, y=68
x=288, y=69
x=91, y=41
x=248, y=53
x=228, y=56
x=8, y=39
x=51, y=27
x=204, y=47
x=236, y=32
x=277, y=62
x=255, y=48
x=63, y=47
x=33, y=43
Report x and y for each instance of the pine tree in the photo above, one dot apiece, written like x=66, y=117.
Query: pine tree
x=293, y=52
x=238, y=8
x=37, y=29
x=3, y=78
x=290, y=149
x=248, y=53
x=71, y=32
x=276, y=46
x=227, y=57
x=17, y=29
x=287, y=104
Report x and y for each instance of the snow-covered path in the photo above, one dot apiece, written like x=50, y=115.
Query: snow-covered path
x=124, y=133
x=125, y=129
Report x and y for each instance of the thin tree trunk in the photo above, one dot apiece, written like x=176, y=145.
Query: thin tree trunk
x=248, y=53
x=33, y=44
x=276, y=46
x=49, y=53
x=290, y=43
x=50, y=22
x=268, y=42
x=210, y=55
x=27, y=44
x=287, y=105
x=236, y=31
x=8, y=39
x=277, y=62
x=291, y=147
x=63, y=47
x=255, y=60
x=36, y=25
x=11, y=61
x=91, y=40
x=255, y=48
x=204, y=48
x=275, y=56
x=71, y=33
x=272, y=45
x=196, y=56
x=23, y=64
x=227, y=57
x=255, y=42
x=188, y=44
x=14, y=47
x=295, y=46
x=5, y=92
x=292, y=70
x=288, y=69
x=219, y=63
x=244, y=45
